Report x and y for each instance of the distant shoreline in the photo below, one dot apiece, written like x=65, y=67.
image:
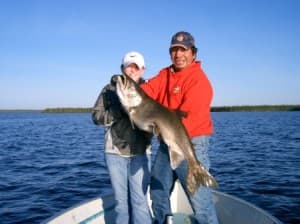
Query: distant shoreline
x=256, y=108
x=245, y=108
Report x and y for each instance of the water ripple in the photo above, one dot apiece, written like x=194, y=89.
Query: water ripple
x=49, y=162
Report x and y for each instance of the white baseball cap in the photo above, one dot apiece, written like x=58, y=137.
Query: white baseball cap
x=133, y=57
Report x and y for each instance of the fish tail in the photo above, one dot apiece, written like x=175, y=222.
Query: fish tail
x=197, y=176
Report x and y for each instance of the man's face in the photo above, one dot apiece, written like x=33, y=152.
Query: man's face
x=181, y=57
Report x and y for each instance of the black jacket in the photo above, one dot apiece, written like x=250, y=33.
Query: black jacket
x=121, y=137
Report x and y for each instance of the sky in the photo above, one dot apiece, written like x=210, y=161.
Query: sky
x=61, y=53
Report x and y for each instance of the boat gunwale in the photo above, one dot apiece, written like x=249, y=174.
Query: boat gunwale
x=79, y=204
x=215, y=193
x=249, y=204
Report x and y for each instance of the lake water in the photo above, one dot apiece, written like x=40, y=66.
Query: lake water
x=50, y=162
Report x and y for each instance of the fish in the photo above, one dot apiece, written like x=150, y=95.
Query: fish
x=150, y=116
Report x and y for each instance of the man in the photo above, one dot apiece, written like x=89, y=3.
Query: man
x=184, y=88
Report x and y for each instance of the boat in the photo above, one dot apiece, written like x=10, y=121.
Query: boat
x=230, y=210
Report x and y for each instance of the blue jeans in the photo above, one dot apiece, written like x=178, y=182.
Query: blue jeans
x=130, y=178
x=162, y=182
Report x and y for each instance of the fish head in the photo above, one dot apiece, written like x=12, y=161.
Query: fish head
x=128, y=91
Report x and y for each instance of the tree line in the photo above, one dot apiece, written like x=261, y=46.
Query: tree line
x=213, y=109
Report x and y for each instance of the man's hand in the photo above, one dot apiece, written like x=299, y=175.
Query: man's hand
x=181, y=113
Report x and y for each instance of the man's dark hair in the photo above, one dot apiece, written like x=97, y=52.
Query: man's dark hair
x=194, y=50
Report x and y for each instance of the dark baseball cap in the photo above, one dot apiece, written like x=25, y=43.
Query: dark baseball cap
x=183, y=39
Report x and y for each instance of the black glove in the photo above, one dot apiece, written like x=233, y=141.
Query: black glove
x=113, y=79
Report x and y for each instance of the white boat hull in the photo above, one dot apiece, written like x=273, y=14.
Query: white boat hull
x=230, y=210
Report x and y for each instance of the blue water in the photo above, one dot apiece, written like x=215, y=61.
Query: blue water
x=50, y=162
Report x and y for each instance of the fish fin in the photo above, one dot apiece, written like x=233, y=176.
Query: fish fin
x=176, y=157
x=198, y=175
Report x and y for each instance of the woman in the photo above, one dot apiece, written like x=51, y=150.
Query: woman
x=127, y=149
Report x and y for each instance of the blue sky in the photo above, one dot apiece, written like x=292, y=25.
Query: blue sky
x=58, y=53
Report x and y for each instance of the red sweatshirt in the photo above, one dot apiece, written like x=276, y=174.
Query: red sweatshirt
x=188, y=90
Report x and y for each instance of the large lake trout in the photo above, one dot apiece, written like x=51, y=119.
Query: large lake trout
x=152, y=117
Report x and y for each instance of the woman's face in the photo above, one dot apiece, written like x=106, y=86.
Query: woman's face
x=133, y=71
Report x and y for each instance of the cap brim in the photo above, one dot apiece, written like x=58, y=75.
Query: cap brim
x=133, y=62
x=179, y=45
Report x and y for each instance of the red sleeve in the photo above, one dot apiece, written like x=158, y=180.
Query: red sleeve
x=152, y=87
